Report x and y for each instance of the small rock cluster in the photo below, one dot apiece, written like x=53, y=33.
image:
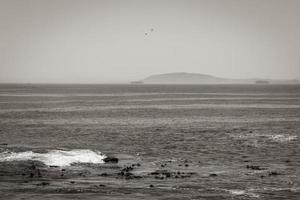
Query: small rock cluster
x=163, y=174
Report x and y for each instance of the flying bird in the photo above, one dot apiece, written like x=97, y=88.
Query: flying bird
x=151, y=30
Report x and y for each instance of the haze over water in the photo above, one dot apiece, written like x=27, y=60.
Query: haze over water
x=104, y=41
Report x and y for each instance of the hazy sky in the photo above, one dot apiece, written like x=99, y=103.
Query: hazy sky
x=96, y=41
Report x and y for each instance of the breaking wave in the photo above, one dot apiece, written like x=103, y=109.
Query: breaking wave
x=56, y=157
x=272, y=137
x=243, y=192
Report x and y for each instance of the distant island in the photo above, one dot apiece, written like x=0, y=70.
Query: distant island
x=262, y=82
x=196, y=78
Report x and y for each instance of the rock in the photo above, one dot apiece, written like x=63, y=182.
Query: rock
x=31, y=175
x=104, y=174
x=186, y=165
x=39, y=173
x=127, y=169
x=163, y=174
x=168, y=174
x=151, y=186
x=213, y=175
x=273, y=173
x=255, y=167
x=32, y=167
x=125, y=172
x=154, y=173
x=111, y=160
x=43, y=184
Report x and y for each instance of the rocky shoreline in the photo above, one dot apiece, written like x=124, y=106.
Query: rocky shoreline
x=120, y=175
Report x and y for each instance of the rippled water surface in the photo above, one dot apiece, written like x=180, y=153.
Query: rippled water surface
x=172, y=141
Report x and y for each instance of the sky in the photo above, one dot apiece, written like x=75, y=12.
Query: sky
x=116, y=41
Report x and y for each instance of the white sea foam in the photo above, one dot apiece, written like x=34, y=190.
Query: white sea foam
x=273, y=137
x=237, y=192
x=283, y=138
x=56, y=157
x=243, y=192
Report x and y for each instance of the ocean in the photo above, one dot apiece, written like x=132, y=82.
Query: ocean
x=171, y=141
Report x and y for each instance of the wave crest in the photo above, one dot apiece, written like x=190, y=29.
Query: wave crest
x=56, y=157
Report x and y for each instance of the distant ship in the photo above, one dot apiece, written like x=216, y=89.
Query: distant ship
x=136, y=82
x=262, y=82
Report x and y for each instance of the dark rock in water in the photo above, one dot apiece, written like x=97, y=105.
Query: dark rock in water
x=43, y=184
x=167, y=174
x=63, y=170
x=125, y=172
x=31, y=175
x=151, y=186
x=101, y=185
x=104, y=174
x=154, y=173
x=273, y=173
x=287, y=161
x=4, y=144
x=32, y=167
x=255, y=167
x=72, y=182
x=186, y=165
x=127, y=169
x=212, y=175
x=53, y=166
x=127, y=175
x=39, y=173
x=111, y=160
x=162, y=174
x=159, y=177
